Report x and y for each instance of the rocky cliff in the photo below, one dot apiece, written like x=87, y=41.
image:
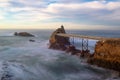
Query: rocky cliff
x=107, y=54
x=58, y=42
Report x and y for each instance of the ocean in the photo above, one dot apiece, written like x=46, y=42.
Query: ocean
x=21, y=59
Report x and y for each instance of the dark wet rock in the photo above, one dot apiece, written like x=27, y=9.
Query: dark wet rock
x=15, y=33
x=86, y=54
x=58, y=42
x=24, y=34
x=71, y=49
x=31, y=40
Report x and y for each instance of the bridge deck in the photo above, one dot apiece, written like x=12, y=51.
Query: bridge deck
x=85, y=37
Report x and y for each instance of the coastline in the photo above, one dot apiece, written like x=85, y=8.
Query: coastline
x=106, y=52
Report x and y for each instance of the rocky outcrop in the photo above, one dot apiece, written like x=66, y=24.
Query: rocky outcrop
x=62, y=43
x=58, y=42
x=24, y=34
x=107, y=54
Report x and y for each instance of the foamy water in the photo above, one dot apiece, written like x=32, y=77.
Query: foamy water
x=24, y=60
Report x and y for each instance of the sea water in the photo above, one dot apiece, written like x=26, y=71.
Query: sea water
x=21, y=59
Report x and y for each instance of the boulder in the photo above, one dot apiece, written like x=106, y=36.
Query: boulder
x=24, y=34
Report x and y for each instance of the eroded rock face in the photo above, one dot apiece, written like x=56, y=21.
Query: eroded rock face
x=108, y=49
x=107, y=54
x=58, y=42
x=24, y=34
x=62, y=43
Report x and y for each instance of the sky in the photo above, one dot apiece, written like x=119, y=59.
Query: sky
x=51, y=14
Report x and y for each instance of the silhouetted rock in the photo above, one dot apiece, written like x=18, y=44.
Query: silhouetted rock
x=15, y=33
x=85, y=54
x=25, y=34
x=62, y=43
x=31, y=40
x=107, y=54
x=58, y=42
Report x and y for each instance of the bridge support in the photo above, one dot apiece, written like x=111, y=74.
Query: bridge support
x=84, y=44
x=84, y=47
x=72, y=41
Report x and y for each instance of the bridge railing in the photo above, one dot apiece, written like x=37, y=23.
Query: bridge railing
x=85, y=37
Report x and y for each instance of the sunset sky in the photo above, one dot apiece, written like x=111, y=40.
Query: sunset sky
x=50, y=14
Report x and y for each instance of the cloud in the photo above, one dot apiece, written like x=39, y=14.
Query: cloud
x=94, y=11
x=3, y=4
x=102, y=12
x=29, y=16
x=87, y=6
x=1, y=17
x=1, y=14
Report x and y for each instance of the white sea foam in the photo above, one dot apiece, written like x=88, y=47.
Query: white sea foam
x=34, y=61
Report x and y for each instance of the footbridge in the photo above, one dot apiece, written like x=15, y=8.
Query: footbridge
x=82, y=36
x=85, y=39
x=60, y=39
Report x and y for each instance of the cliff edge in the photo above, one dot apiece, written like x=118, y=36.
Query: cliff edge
x=107, y=54
x=58, y=42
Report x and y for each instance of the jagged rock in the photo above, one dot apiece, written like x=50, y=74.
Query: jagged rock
x=71, y=49
x=107, y=54
x=58, y=42
x=25, y=34
x=62, y=43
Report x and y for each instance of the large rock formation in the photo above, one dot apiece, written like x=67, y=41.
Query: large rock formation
x=58, y=42
x=107, y=54
x=24, y=34
x=62, y=43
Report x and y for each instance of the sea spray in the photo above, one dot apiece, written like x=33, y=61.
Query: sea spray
x=26, y=60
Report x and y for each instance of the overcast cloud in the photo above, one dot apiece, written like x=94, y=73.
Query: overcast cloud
x=88, y=12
